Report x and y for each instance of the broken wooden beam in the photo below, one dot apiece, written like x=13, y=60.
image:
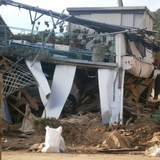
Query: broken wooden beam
x=19, y=111
x=29, y=98
x=21, y=102
x=1, y=95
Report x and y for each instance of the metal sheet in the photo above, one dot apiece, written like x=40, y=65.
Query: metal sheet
x=111, y=95
x=43, y=86
x=6, y=112
x=61, y=86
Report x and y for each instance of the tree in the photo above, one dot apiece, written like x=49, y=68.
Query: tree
x=156, y=23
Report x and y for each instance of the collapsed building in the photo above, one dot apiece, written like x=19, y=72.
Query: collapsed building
x=107, y=57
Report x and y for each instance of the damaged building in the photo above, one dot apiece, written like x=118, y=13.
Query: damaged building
x=105, y=59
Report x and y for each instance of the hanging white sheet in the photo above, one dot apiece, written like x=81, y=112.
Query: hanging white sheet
x=111, y=95
x=43, y=86
x=61, y=86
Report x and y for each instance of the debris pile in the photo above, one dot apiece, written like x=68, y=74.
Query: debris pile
x=86, y=133
x=154, y=150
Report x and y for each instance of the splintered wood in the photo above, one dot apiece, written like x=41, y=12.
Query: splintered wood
x=1, y=88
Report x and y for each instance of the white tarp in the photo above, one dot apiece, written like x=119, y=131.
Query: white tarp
x=111, y=95
x=43, y=86
x=27, y=126
x=61, y=86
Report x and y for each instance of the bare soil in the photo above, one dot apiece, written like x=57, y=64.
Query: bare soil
x=84, y=136
x=19, y=155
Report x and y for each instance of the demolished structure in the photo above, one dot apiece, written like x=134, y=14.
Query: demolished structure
x=106, y=46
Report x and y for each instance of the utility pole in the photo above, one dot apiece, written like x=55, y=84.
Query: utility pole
x=120, y=3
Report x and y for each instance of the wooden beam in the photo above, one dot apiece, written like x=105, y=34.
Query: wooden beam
x=1, y=89
x=29, y=98
x=20, y=102
x=18, y=110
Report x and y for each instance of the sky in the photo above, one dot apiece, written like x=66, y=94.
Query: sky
x=20, y=17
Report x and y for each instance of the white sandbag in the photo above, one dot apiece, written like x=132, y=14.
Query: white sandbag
x=52, y=140
x=156, y=153
x=62, y=145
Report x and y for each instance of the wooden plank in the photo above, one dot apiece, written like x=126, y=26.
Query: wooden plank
x=21, y=102
x=2, y=62
x=12, y=97
x=29, y=98
x=18, y=110
x=1, y=89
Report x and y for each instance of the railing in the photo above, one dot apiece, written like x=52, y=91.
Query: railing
x=76, y=45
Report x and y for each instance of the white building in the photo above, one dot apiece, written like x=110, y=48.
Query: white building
x=137, y=17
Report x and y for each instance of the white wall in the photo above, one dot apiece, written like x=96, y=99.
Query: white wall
x=132, y=20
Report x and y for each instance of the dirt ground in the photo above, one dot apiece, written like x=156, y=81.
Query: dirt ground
x=18, y=155
x=85, y=137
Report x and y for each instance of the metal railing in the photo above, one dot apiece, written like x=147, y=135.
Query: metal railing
x=75, y=45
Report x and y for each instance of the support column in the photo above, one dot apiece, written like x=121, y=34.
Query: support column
x=1, y=89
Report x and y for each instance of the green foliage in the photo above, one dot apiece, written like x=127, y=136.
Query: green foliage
x=62, y=39
x=40, y=124
x=42, y=35
x=156, y=24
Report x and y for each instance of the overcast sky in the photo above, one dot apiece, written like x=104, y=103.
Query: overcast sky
x=20, y=18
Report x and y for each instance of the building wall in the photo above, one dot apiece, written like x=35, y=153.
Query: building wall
x=125, y=17
x=137, y=19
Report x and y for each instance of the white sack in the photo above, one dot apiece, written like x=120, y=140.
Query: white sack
x=53, y=140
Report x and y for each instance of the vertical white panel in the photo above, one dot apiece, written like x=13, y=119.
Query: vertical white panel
x=61, y=86
x=111, y=95
x=85, y=16
x=113, y=19
x=105, y=80
x=149, y=22
x=139, y=21
x=117, y=104
x=127, y=20
x=98, y=17
x=43, y=86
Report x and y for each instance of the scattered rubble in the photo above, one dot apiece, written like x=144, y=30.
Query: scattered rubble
x=154, y=150
x=85, y=133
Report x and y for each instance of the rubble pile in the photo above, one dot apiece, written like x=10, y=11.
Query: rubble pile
x=84, y=130
x=85, y=133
